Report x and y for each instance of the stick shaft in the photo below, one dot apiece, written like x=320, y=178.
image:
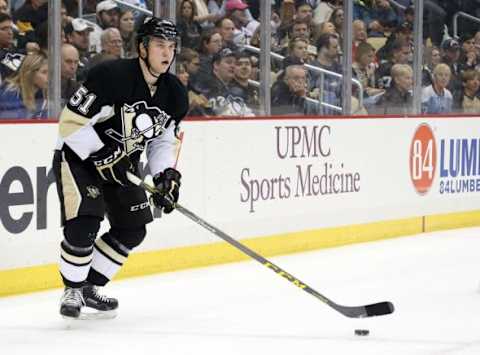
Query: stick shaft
x=376, y=309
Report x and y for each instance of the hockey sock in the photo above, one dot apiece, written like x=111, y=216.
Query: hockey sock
x=108, y=257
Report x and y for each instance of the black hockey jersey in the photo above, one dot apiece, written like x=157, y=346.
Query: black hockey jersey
x=115, y=107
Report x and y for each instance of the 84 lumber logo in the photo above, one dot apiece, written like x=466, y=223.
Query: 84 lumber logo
x=423, y=158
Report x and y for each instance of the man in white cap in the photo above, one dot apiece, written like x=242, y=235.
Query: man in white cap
x=107, y=16
x=77, y=33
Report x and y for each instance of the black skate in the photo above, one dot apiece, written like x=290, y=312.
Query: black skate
x=97, y=306
x=71, y=303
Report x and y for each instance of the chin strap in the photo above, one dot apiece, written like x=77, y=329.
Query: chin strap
x=147, y=63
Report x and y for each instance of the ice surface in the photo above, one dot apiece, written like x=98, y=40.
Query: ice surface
x=244, y=308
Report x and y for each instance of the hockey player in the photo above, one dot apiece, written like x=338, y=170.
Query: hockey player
x=124, y=107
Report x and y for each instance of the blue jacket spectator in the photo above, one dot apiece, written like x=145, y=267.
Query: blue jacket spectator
x=24, y=95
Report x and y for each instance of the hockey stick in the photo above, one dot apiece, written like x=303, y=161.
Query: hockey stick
x=375, y=309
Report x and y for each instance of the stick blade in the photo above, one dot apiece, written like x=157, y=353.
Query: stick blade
x=371, y=310
x=379, y=309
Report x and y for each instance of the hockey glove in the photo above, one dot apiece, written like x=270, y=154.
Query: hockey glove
x=168, y=185
x=112, y=165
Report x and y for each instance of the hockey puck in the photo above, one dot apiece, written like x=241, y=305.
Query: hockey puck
x=362, y=332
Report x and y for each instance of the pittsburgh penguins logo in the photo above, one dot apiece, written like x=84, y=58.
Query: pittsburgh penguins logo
x=140, y=124
x=12, y=61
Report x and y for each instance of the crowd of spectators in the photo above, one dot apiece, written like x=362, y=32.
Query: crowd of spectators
x=222, y=76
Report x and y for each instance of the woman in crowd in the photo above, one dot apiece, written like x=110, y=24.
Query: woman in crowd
x=127, y=30
x=467, y=100
x=211, y=42
x=198, y=103
x=24, y=95
x=189, y=29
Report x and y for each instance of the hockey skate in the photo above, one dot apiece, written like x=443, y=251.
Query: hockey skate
x=71, y=303
x=97, y=306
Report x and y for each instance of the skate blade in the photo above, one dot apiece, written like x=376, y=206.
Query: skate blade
x=91, y=315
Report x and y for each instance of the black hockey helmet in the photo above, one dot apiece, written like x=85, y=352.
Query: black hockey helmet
x=156, y=27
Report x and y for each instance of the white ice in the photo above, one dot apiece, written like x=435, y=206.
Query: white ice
x=244, y=308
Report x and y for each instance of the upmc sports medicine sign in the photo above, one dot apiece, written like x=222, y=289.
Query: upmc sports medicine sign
x=455, y=154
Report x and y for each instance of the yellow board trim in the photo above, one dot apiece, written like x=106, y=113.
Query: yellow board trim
x=45, y=277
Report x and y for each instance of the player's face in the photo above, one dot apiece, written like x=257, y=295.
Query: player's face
x=160, y=54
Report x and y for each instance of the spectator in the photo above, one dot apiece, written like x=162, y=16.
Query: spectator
x=24, y=95
x=210, y=43
x=325, y=27
x=4, y=7
x=10, y=57
x=327, y=58
x=298, y=29
x=467, y=100
x=69, y=67
x=402, y=33
x=31, y=14
x=244, y=26
x=218, y=89
x=107, y=16
x=112, y=45
x=206, y=16
x=6, y=31
x=77, y=34
x=409, y=15
x=64, y=13
x=435, y=20
x=337, y=18
x=451, y=57
x=303, y=11
x=401, y=52
x=398, y=98
x=297, y=50
x=41, y=38
x=468, y=56
x=198, y=104
x=436, y=98
x=359, y=35
x=189, y=29
x=477, y=43
x=226, y=28
x=241, y=87
x=381, y=12
x=431, y=59
x=126, y=25
x=191, y=60
x=289, y=94
x=363, y=69
x=324, y=10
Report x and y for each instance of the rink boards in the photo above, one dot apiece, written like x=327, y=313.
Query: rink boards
x=279, y=185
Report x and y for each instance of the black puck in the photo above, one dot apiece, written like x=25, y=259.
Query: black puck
x=362, y=332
